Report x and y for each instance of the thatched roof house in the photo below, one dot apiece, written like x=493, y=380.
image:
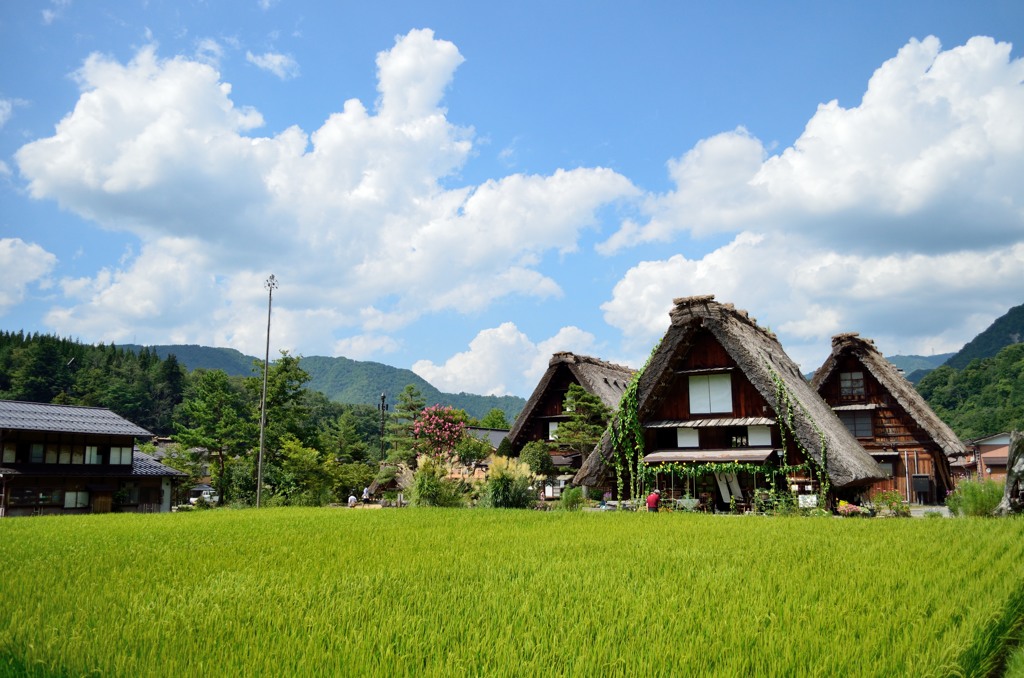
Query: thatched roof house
x=543, y=411
x=757, y=384
x=888, y=416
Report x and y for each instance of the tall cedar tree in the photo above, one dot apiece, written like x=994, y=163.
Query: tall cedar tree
x=588, y=417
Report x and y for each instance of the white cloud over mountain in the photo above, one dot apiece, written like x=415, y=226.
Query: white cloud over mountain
x=502, y=360
x=901, y=217
x=353, y=218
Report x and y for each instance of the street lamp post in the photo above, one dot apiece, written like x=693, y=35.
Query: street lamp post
x=383, y=407
x=270, y=285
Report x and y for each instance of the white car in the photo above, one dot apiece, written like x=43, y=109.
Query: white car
x=209, y=495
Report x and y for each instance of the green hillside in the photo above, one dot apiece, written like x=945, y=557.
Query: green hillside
x=984, y=398
x=234, y=363
x=343, y=380
x=1007, y=329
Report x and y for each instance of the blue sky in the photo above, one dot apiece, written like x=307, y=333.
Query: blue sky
x=464, y=189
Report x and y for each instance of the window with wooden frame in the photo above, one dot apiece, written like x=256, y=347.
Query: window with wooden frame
x=76, y=499
x=738, y=437
x=687, y=437
x=120, y=455
x=710, y=393
x=851, y=385
x=857, y=423
x=552, y=430
x=759, y=436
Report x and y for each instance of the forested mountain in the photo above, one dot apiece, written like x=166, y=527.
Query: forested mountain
x=985, y=398
x=1006, y=330
x=191, y=356
x=343, y=380
x=916, y=366
x=138, y=385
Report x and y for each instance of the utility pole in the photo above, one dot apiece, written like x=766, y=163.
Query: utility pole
x=383, y=407
x=270, y=285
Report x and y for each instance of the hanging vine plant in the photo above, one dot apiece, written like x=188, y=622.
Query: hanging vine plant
x=787, y=429
x=627, y=438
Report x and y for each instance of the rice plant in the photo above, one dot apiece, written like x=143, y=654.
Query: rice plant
x=487, y=592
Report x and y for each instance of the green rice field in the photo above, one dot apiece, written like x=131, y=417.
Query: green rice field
x=304, y=592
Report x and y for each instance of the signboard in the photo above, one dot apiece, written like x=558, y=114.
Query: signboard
x=807, y=500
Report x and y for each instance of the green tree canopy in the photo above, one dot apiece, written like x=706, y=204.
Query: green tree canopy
x=588, y=418
x=537, y=455
x=214, y=416
x=984, y=398
x=495, y=419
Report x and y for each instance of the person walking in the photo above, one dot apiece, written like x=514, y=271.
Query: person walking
x=653, y=499
x=366, y=495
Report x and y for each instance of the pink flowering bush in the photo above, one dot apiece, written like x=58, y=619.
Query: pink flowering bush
x=438, y=429
x=851, y=510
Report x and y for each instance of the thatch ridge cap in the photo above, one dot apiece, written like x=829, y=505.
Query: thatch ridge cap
x=575, y=358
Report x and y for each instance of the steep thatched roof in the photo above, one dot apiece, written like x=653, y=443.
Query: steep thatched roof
x=605, y=380
x=892, y=381
x=759, y=356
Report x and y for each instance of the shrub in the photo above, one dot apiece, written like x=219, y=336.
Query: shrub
x=431, y=485
x=975, y=498
x=572, y=499
x=890, y=501
x=510, y=484
x=851, y=510
x=538, y=457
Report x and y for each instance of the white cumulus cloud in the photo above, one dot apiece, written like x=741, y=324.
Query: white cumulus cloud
x=901, y=218
x=282, y=65
x=23, y=264
x=355, y=218
x=502, y=360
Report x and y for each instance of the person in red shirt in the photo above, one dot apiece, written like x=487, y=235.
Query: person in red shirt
x=652, y=501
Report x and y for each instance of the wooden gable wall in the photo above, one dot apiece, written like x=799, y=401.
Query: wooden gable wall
x=705, y=353
x=897, y=442
x=548, y=408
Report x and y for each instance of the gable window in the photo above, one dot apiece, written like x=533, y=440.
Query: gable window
x=552, y=430
x=759, y=436
x=851, y=384
x=857, y=423
x=687, y=437
x=710, y=393
x=738, y=436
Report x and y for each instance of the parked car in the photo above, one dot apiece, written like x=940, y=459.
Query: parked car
x=204, y=492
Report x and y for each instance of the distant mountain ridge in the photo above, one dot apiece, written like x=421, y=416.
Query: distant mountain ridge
x=342, y=380
x=1004, y=331
x=916, y=366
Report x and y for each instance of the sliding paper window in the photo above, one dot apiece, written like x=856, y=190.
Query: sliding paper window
x=710, y=393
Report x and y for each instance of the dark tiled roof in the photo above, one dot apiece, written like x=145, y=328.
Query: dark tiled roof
x=145, y=465
x=66, y=419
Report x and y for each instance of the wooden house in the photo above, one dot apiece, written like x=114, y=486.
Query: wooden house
x=542, y=413
x=725, y=412
x=63, y=459
x=890, y=419
x=991, y=454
